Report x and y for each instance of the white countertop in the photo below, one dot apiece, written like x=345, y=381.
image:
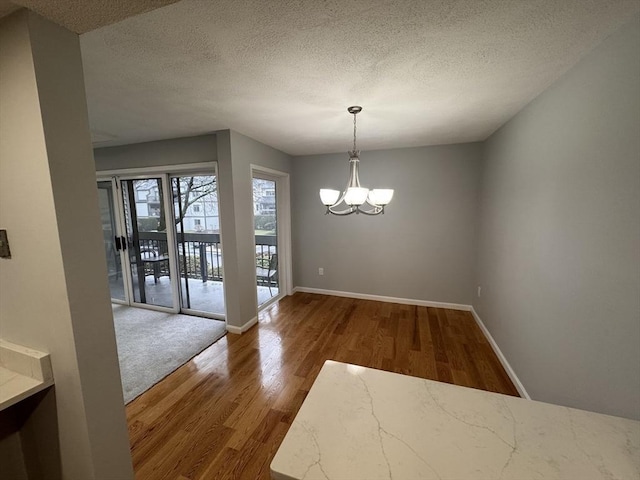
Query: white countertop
x=360, y=423
x=23, y=372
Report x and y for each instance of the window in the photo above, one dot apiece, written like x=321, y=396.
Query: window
x=141, y=195
x=196, y=208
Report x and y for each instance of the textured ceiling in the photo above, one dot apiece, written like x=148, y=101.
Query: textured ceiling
x=83, y=15
x=283, y=72
x=7, y=7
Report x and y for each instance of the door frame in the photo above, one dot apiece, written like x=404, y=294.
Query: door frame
x=283, y=229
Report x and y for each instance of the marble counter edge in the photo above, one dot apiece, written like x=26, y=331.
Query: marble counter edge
x=23, y=372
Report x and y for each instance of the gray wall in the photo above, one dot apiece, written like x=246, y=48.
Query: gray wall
x=559, y=249
x=236, y=154
x=422, y=248
x=175, y=151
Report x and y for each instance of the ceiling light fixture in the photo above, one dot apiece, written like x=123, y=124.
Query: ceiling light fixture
x=355, y=196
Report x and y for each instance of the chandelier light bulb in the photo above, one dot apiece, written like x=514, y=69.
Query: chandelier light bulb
x=328, y=196
x=356, y=196
x=380, y=196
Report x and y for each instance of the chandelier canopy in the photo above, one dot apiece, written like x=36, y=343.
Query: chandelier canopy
x=354, y=197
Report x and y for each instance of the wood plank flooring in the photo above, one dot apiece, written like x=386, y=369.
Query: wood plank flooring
x=224, y=414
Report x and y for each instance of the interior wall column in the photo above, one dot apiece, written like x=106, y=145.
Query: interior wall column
x=55, y=296
x=238, y=241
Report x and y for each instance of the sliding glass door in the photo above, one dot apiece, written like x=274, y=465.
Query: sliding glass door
x=197, y=233
x=265, y=215
x=149, y=242
x=162, y=242
x=112, y=240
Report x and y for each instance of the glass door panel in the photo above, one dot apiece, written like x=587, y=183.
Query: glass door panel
x=112, y=241
x=266, y=238
x=197, y=232
x=148, y=250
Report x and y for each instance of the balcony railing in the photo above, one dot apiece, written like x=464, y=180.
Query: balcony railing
x=199, y=254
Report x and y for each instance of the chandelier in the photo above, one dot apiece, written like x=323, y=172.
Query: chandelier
x=354, y=196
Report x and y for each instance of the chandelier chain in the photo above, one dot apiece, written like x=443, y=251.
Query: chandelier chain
x=354, y=132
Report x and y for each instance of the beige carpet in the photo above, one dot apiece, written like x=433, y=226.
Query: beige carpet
x=153, y=344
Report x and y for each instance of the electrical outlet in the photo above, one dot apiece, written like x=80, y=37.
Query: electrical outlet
x=479, y=292
x=321, y=271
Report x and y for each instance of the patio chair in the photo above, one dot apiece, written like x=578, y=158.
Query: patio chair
x=268, y=276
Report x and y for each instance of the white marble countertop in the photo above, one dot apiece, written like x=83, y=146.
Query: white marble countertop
x=360, y=423
x=23, y=372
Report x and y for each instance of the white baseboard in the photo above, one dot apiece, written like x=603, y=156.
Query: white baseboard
x=512, y=375
x=243, y=328
x=424, y=303
x=380, y=298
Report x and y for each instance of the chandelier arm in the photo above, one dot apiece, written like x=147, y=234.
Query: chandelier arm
x=348, y=211
x=375, y=211
x=354, y=177
x=353, y=182
x=340, y=199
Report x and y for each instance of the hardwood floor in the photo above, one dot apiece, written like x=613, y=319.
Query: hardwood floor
x=225, y=413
